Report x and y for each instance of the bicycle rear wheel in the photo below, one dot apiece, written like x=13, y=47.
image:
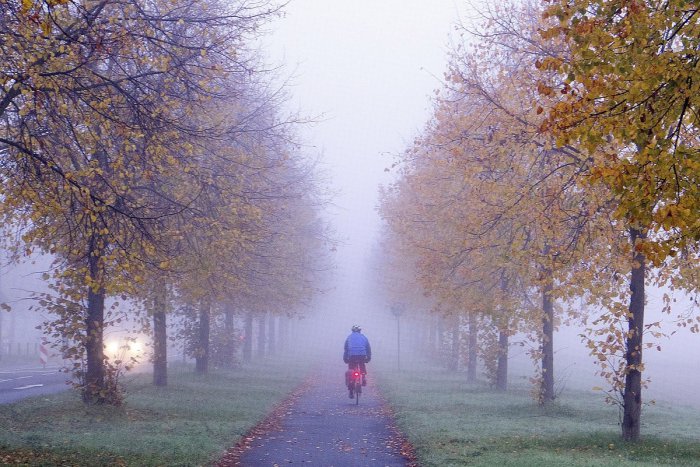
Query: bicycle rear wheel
x=358, y=390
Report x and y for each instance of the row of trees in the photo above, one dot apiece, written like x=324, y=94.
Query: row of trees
x=143, y=147
x=561, y=164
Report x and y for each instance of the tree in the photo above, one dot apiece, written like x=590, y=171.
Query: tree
x=96, y=103
x=628, y=98
x=253, y=239
x=160, y=342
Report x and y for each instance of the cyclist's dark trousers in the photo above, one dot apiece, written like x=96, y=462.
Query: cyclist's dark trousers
x=355, y=360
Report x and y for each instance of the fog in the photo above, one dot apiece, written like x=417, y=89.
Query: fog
x=17, y=285
x=674, y=371
x=365, y=71
x=369, y=68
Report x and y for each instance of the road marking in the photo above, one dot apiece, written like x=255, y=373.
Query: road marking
x=13, y=379
x=30, y=386
x=28, y=370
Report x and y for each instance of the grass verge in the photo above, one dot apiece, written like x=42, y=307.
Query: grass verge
x=451, y=423
x=190, y=422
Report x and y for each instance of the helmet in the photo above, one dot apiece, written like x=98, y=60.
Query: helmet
x=356, y=328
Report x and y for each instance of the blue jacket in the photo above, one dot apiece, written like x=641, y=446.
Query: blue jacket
x=357, y=345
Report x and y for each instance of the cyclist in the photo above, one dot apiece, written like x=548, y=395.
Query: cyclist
x=357, y=352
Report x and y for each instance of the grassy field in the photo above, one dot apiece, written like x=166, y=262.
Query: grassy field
x=190, y=422
x=451, y=423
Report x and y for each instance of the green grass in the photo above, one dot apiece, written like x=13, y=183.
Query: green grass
x=451, y=423
x=190, y=422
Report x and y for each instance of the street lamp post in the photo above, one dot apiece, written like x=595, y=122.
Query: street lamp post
x=397, y=309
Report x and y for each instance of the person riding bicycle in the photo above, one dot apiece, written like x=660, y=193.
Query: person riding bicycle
x=357, y=351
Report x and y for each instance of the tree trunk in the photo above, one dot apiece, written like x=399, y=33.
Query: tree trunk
x=262, y=340
x=632, y=395
x=2, y=343
x=1, y=315
x=454, y=354
x=283, y=332
x=248, y=342
x=472, y=349
x=94, y=337
x=230, y=337
x=439, y=343
x=202, y=357
x=547, y=388
x=94, y=347
x=502, y=368
x=11, y=330
x=271, y=335
x=160, y=338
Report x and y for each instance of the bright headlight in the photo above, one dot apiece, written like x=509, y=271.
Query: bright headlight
x=112, y=348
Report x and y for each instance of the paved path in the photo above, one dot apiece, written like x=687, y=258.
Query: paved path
x=19, y=383
x=321, y=426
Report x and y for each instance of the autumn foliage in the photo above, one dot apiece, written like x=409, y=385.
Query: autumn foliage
x=559, y=168
x=143, y=149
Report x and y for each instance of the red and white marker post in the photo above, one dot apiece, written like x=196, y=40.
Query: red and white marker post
x=43, y=354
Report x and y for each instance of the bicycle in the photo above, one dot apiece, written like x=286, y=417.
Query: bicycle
x=354, y=382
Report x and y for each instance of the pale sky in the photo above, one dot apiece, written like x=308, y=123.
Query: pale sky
x=369, y=67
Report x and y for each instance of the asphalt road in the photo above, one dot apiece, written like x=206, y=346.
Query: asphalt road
x=321, y=426
x=18, y=383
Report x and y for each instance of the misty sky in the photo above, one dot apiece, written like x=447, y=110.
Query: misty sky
x=369, y=68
